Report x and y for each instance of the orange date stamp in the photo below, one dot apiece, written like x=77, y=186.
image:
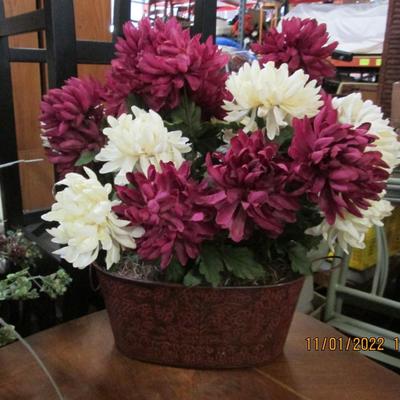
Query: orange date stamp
x=348, y=344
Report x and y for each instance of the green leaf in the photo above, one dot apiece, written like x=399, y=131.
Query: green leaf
x=187, y=117
x=175, y=272
x=191, y=280
x=211, y=264
x=134, y=100
x=299, y=260
x=208, y=138
x=7, y=334
x=284, y=139
x=85, y=158
x=55, y=284
x=240, y=261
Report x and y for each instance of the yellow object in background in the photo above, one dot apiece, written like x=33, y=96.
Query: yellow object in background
x=364, y=62
x=366, y=258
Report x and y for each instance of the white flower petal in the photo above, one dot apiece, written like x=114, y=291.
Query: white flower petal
x=136, y=143
x=350, y=230
x=87, y=223
x=353, y=110
x=272, y=94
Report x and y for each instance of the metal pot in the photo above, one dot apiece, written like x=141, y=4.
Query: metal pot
x=199, y=327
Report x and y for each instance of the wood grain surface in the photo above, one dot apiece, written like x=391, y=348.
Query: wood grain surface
x=84, y=362
x=92, y=22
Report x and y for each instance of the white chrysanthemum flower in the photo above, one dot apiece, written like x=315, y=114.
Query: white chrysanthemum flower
x=135, y=144
x=272, y=94
x=350, y=230
x=87, y=223
x=353, y=110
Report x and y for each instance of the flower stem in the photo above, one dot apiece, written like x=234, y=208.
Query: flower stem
x=35, y=280
x=188, y=116
x=37, y=359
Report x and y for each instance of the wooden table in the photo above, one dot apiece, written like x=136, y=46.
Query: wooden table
x=81, y=356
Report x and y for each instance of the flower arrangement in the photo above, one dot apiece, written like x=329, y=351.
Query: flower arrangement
x=214, y=178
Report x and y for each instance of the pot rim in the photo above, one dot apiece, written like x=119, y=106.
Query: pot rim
x=178, y=285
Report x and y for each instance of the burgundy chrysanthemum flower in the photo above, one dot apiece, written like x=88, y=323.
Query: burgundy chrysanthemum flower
x=70, y=120
x=332, y=163
x=302, y=44
x=158, y=63
x=250, y=182
x=165, y=204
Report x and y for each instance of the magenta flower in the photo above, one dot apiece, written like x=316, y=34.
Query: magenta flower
x=302, y=44
x=70, y=121
x=158, y=63
x=333, y=166
x=250, y=187
x=166, y=205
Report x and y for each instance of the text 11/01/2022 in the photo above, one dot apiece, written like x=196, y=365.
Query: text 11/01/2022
x=349, y=344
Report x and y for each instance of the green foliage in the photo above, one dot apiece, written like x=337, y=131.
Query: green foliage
x=135, y=100
x=187, y=117
x=17, y=249
x=191, y=279
x=298, y=258
x=218, y=264
x=86, y=158
x=7, y=334
x=23, y=286
x=307, y=216
x=211, y=264
x=175, y=272
x=18, y=286
x=205, y=136
x=55, y=284
x=209, y=138
x=241, y=262
x=257, y=261
x=284, y=139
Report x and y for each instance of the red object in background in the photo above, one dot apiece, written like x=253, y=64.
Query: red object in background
x=248, y=25
x=303, y=1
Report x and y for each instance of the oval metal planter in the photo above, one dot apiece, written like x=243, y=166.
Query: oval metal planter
x=199, y=327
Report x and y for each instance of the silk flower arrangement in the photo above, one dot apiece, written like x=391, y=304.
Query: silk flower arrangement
x=299, y=167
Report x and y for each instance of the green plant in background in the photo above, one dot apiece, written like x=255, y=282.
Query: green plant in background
x=22, y=285
x=21, y=255
x=7, y=333
x=18, y=250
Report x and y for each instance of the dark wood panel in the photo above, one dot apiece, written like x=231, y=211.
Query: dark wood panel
x=92, y=22
x=90, y=52
x=36, y=179
x=26, y=22
x=27, y=55
x=390, y=71
x=11, y=202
